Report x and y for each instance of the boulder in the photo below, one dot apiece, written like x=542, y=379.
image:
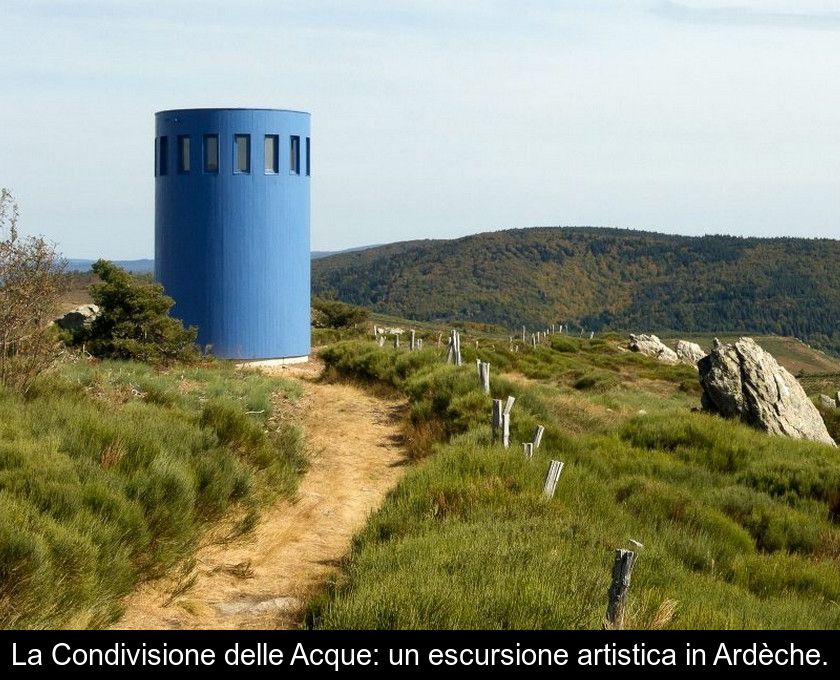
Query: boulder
x=827, y=402
x=78, y=319
x=689, y=352
x=652, y=346
x=741, y=380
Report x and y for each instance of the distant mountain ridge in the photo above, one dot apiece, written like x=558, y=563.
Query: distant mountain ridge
x=134, y=266
x=147, y=266
x=601, y=278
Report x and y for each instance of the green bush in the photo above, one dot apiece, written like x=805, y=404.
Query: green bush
x=102, y=483
x=335, y=314
x=134, y=321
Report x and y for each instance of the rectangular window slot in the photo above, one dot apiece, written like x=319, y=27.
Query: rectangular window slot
x=308, y=159
x=211, y=153
x=271, y=159
x=242, y=154
x=294, y=155
x=163, y=156
x=183, y=153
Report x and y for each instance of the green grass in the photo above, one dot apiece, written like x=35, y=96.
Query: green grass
x=740, y=529
x=110, y=471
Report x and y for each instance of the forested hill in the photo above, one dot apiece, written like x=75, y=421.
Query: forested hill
x=601, y=279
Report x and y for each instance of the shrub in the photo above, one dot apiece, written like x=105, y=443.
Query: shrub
x=335, y=314
x=134, y=321
x=31, y=281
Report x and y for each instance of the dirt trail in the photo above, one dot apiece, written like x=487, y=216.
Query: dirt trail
x=356, y=456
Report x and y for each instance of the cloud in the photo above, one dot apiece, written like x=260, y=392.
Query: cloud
x=784, y=14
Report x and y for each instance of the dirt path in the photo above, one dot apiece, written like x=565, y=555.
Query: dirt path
x=356, y=455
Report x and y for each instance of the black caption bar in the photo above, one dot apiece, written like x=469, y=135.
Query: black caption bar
x=808, y=653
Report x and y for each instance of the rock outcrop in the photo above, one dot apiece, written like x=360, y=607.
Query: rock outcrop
x=78, y=319
x=689, y=352
x=741, y=380
x=827, y=402
x=652, y=346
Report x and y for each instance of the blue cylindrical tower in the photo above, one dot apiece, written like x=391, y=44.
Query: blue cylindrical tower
x=232, y=227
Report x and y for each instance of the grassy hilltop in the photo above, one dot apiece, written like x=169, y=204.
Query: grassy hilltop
x=601, y=279
x=740, y=529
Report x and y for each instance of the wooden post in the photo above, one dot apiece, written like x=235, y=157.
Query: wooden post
x=538, y=435
x=496, y=421
x=419, y=343
x=457, y=348
x=396, y=340
x=528, y=450
x=551, y=479
x=485, y=377
x=478, y=367
x=533, y=341
x=506, y=430
x=523, y=333
x=450, y=352
x=413, y=345
x=381, y=340
x=625, y=560
x=591, y=335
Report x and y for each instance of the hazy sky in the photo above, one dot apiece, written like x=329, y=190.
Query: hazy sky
x=435, y=119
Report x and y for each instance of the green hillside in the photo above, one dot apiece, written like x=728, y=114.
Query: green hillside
x=601, y=279
x=733, y=528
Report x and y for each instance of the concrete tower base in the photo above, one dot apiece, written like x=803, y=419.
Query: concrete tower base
x=283, y=361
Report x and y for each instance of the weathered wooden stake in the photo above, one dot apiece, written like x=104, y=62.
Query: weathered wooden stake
x=533, y=340
x=551, y=479
x=523, y=333
x=538, y=435
x=478, y=367
x=506, y=430
x=413, y=345
x=396, y=340
x=528, y=450
x=485, y=377
x=496, y=422
x=419, y=343
x=457, y=348
x=625, y=560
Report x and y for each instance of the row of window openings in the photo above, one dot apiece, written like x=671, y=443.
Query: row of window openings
x=241, y=154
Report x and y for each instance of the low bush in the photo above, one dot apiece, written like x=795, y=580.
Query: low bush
x=109, y=472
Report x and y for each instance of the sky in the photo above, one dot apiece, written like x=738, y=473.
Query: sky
x=437, y=119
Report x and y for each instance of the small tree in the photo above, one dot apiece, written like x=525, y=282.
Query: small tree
x=335, y=314
x=134, y=321
x=31, y=283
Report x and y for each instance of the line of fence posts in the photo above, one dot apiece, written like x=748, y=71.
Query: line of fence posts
x=624, y=560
